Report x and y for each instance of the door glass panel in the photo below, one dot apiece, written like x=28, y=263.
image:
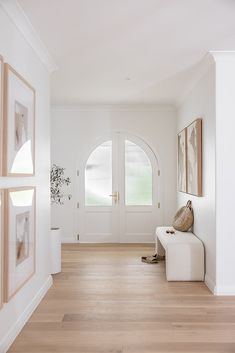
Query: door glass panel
x=138, y=176
x=98, y=176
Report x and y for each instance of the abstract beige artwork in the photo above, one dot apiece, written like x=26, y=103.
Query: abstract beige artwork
x=182, y=156
x=1, y=111
x=21, y=125
x=22, y=237
x=194, y=158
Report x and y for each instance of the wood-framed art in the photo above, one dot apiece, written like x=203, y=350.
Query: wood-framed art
x=1, y=110
x=1, y=246
x=182, y=161
x=18, y=124
x=194, y=158
x=19, y=242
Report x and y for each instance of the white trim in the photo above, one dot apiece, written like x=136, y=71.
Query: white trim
x=65, y=240
x=222, y=54
x=136, y=239
x=219, y=290
x=108, y=242
x=224, y=290
x=114, y=107
x=9, y=338
x=21, y=21
x=210, y=283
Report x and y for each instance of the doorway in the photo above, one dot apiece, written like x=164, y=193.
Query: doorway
x=119, y=190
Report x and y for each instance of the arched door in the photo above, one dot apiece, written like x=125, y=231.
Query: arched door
x=121, y=193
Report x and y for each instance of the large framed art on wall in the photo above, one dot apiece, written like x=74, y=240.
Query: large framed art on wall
x=19, y=226
x=182, y=160
x=190, y=159
x=194, y=158
x=19, y=125
x=1, y=110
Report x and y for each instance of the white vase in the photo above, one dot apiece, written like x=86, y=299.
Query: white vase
x=55, y=250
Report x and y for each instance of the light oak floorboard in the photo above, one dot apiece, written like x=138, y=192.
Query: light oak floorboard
x=107, y=301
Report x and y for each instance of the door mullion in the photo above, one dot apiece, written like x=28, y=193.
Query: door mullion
x=115, y=206
x=121, y=185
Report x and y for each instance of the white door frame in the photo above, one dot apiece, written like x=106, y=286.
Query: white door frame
x=117, y=213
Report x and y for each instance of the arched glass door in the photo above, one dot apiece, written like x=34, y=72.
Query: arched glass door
x=121, y=191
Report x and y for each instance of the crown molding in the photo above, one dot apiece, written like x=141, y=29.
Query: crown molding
x=17, y=15
x=222, y=55
x=114, y=107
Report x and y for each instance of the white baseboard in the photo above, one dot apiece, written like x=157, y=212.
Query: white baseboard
x=210, y=283
x=224, y=290
x=108, y=242
x=219, y=290
x=24, y=317
x=107, y=238
x=73, y=241
x=69, y=240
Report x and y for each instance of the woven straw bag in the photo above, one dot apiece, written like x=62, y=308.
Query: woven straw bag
x=183, y=219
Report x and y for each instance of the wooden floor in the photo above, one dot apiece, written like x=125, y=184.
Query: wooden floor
x=106, y=300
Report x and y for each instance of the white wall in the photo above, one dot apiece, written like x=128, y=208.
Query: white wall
x=200, y=103
x=75, y=130
x=18, y=53
x=225, y=172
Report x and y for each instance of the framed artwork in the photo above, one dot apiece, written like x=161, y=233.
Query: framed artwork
x=19, y=125
x=182, y=161
x=194, y=158
x=1, y=110
x=19, y=225
x=1, y=247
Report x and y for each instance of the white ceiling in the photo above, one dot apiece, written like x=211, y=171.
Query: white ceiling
x=128, y=51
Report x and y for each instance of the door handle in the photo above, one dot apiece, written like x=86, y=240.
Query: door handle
x=116, y=196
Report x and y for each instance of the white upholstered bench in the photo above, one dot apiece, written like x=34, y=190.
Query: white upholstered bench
x=184, y=255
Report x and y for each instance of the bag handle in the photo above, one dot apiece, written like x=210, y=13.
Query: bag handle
x=189, y=204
